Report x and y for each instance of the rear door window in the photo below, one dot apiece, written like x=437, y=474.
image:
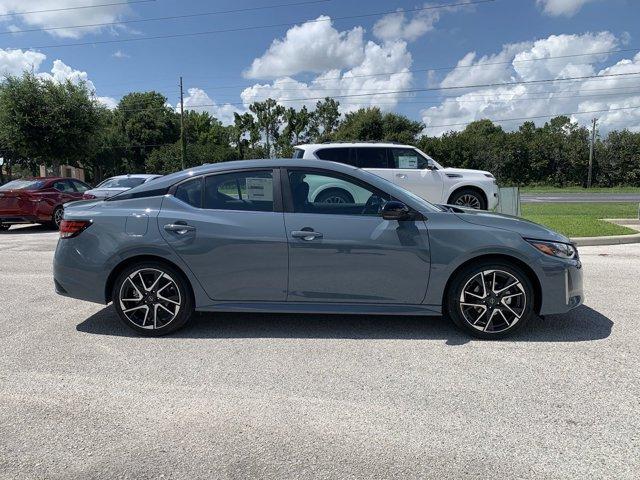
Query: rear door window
x=64, y=186
x=340, y=155
x=373, y=157
x=190, y=192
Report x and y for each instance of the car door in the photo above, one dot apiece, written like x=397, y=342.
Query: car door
x=66, y=191
x=346, y=252
x=412, y=172
x=229, y=229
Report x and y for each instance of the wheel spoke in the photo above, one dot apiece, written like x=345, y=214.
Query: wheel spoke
x=155, y=282
x=135, y=287
x=165, y=299
x=159, y=305
x=489, y=321
x=133, y=309
x=497, y=292
x=510, y=309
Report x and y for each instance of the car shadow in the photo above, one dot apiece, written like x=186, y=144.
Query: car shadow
x=28, y=229
x=580, y=325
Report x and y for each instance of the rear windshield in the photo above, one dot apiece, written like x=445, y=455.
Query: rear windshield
x=121, y=183
x=22, y=185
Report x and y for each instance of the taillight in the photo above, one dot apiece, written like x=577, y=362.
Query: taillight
x=73, y=228
x=88, y=196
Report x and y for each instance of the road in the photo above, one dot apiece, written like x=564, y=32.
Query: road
x=239, y=396
x=580, y=197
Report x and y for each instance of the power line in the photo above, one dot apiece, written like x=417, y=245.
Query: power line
x=80, y=7
x=534, y=117
x=172, y=17
x=253, y=27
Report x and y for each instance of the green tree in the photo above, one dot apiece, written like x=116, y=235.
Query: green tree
x=324, y=119
x=269, y=118
x=48, y=122
x=145, y=123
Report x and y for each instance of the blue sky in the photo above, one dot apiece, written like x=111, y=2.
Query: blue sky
x=504, y=41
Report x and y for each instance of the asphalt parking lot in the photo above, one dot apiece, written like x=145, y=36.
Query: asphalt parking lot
x=285, y=396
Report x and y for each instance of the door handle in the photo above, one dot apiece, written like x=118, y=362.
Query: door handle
x=401, y=175
x=306, y=235
x=179, y=228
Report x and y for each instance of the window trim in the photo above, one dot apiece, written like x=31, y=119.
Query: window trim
x=277, y=190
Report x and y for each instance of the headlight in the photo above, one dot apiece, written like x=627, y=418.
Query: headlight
x=555, y=249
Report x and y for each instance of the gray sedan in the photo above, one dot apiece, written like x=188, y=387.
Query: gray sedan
x=115, y=185
x=247, y=236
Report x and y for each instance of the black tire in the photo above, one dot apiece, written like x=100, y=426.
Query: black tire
x=56, y=217
x=500, y=324
x=468, y=198
x=181, y=292
x=334, y=195
x=4, y=228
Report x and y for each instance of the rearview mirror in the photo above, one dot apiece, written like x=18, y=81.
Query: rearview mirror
x=394, y=210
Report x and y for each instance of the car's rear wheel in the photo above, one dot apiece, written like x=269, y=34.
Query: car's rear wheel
x=491, y=299
x=152, y=298
x=56, y=217
x=468, y=198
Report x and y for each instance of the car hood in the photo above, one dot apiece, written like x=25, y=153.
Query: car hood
x=518, y=225
x=465, y=171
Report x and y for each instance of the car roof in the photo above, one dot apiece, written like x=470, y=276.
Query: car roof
x=135, y=175
x=318, y=146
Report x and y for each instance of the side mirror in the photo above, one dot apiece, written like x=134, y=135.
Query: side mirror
x=394, y=210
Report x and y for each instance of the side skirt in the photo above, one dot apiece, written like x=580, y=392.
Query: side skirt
x=319, y=308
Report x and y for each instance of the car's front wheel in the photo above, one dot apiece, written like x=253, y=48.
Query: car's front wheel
x=491, y=299
x=468, y=198
x=152, y=298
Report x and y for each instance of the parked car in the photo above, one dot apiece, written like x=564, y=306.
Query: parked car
x=248, y=237
x=115, y=185
x=37, y=200
x=407, y=167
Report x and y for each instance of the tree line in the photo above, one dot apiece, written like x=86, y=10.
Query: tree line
x=52, y=123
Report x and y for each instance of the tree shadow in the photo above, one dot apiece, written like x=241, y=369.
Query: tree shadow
x=579, y=325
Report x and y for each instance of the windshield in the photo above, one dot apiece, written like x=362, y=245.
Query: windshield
x=22, y=185
x=124, y=182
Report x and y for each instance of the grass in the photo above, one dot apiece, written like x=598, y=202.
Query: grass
x=550, y=189
x=581, y=219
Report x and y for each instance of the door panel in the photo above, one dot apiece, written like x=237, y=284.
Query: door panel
x=345, y=252
x=357, y=259
x=236, y=255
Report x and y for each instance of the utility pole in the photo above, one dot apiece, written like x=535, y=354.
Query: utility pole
x=593, y=142
x=183, y=140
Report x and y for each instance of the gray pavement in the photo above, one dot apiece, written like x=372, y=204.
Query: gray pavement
x=287, y=396
x=580, y=197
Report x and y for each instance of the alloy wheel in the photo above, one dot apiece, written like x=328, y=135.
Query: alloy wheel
x=334, y=199
x=57, y=216
x=469, y=201
x=493, y=301
x=150, y=298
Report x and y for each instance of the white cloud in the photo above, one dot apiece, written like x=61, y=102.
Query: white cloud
x=120, y=54
x=314, y=46
x=376, y=59
x=527, y=100
x=197, y=96
x=16, y=62
x=58, y=17
x=61, y=72
x=109, y=102
x=566, y=8
x=396, y=26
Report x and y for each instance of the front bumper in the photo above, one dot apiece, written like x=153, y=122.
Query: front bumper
x=562, y=288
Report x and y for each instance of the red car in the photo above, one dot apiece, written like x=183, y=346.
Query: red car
x=37, y=200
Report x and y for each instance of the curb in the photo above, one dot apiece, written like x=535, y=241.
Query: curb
x=612, y=240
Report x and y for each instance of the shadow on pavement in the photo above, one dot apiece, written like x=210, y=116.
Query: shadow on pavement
x=28, y=229
x=580, y=325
